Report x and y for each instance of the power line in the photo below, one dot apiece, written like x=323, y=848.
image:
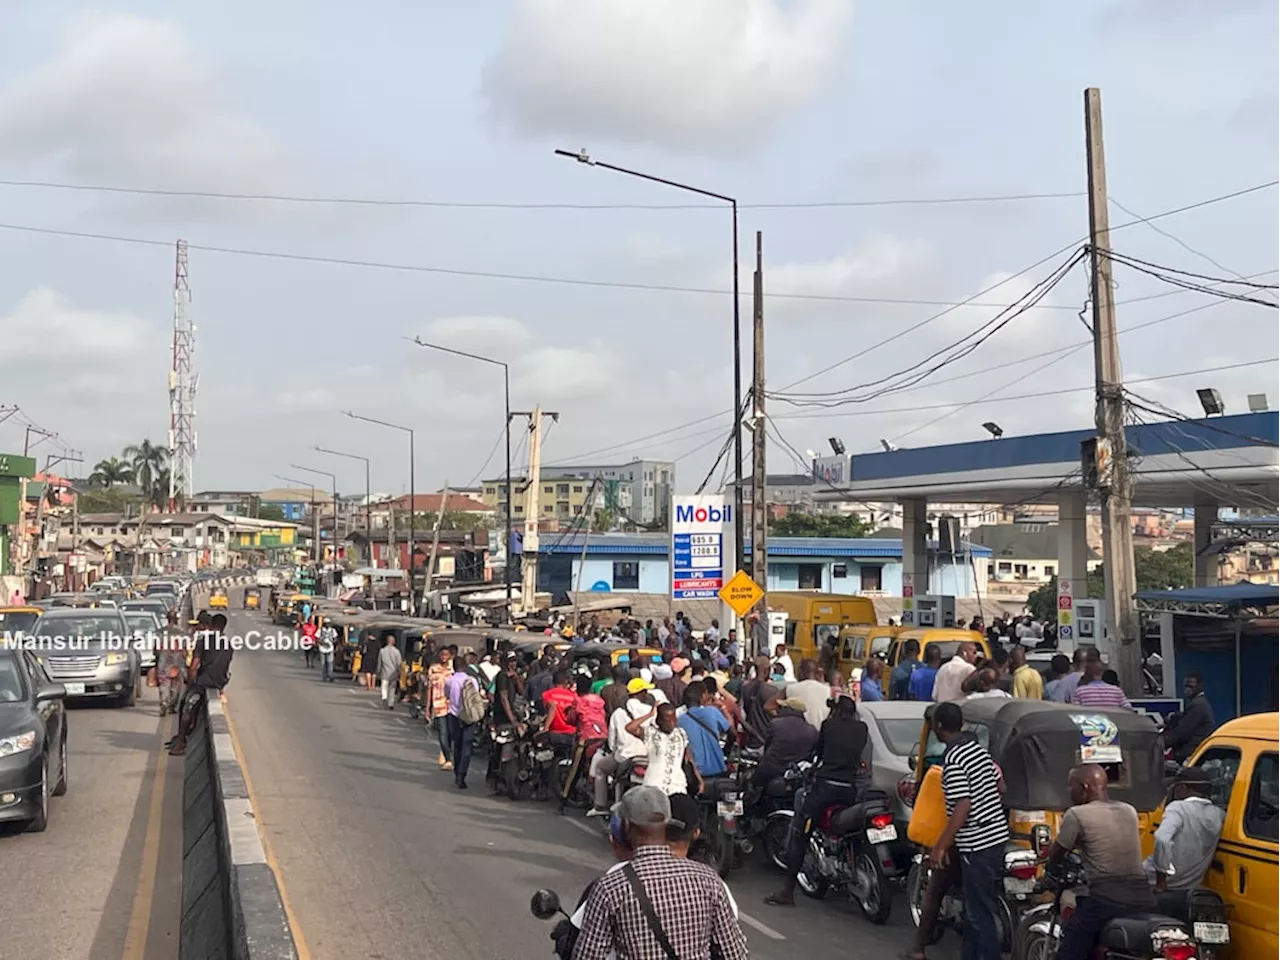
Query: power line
x=1178, y=240
x=497, y=205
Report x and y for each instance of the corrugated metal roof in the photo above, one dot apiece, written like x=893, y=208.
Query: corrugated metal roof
x=658, y=544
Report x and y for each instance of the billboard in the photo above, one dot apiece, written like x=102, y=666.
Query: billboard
x=831, y=470
x=700, y=528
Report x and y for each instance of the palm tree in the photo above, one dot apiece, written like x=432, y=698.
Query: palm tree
x=148, y=463
x=158, y=495
x=109, y=472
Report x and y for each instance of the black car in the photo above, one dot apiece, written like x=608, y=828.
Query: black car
x=33, y=739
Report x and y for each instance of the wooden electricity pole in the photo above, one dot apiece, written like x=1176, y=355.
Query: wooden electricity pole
x=532, y=510
x=759, y=440
x=1114, y=481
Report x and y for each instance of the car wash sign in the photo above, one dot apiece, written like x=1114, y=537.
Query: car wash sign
x=699, y=527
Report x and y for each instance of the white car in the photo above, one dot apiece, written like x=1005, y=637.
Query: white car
x=145, y=626
x=893, y=736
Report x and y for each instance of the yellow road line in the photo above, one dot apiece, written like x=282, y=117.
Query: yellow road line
x=299, y=941
x=135, y=941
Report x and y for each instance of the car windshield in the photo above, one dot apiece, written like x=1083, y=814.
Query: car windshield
x=901, y=734
x=11, y=687
x=161, y=588
x=81, y=627
x=17, y=621
x=143, y=622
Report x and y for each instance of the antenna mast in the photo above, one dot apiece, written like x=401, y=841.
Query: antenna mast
x=182, y=389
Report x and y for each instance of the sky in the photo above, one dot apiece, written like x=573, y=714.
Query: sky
x=817, y=115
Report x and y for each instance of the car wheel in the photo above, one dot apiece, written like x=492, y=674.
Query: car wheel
x=38, y=823
x=60, y=789
x=130, y=698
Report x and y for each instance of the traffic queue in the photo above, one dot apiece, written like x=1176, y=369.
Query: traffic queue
x=1028, y=825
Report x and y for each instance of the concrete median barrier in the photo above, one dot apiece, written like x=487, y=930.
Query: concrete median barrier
x=231, y=903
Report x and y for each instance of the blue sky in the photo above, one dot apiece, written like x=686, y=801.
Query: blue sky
x=771, y=101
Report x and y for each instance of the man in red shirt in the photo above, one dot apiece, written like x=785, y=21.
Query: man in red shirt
x=558, y=702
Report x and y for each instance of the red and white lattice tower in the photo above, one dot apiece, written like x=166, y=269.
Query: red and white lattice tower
x=182, y=390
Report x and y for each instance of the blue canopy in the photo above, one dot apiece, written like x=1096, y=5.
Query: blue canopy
x=1235, y=594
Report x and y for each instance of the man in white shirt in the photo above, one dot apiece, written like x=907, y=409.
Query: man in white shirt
x=947, y=685
x=666, y=750
x=623, y=745
x=783, y=659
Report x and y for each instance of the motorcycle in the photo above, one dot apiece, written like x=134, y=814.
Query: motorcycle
x=851, y=848
x=1017, y=887
x=580, y=795
x=1143, y=936
x=768, y=817
x=719, y=807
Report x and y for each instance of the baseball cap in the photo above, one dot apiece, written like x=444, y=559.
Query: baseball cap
x=638, y=685
x=644, y=805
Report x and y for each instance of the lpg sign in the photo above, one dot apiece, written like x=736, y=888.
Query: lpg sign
x=698, y=535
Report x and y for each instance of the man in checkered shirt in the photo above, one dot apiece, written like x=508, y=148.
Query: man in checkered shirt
x=691, y=910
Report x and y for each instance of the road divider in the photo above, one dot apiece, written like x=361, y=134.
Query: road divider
x=232, y=908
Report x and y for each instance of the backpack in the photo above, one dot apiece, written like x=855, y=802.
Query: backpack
x=473, y=705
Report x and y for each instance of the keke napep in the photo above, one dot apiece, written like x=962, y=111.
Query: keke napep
x=1036, y=743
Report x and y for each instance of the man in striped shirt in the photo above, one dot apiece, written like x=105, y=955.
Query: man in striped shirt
x=1093, y=691
x=977, y=826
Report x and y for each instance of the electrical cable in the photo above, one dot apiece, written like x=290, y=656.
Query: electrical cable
x=1178, y=240
x=492, y=450
x=494, y=205
x=1142, y=267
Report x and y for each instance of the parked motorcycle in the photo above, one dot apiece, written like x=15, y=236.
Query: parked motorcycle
x=1017, y=895
x=719, y=807
x=851, y=849
x=768, y=817
x=1143, y=936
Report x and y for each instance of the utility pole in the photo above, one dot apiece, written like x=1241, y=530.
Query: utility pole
x=759, y=440
x=430, y=573
x=1114, y=482
x=532, y=510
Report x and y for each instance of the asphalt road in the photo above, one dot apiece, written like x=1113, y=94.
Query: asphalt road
x=379, y=856
x=104, y=881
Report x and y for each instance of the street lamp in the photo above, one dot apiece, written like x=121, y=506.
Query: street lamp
x=583, y=157
x=412, y=491
x=368, y=497
x=506, y=402
x=333, y=478
x=315, y=547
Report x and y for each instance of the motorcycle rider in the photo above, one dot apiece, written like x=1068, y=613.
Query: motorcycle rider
x=1107, y=834
x=788, y=740
x=839, y=749
x=1186, y=730
x=624, y=748
x=507, y=688
x=667, y=751
x=1187, y=838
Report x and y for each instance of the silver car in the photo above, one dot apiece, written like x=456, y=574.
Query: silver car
x=893, y=736
x=145, y=627
x=90, y=652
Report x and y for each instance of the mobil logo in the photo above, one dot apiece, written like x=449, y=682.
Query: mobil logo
x=688, y=513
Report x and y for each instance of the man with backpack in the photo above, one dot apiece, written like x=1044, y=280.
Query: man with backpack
x=466, y=710
x=900, y=678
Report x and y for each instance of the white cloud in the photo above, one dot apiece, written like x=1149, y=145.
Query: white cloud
x=876, y=260
x=128, y=100
x=694, y=74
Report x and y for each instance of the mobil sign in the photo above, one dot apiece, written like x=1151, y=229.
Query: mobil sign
x=833, y=471
x=698, y=535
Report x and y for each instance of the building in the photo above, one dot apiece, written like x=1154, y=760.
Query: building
x=172, y=542
x=461, y=555
x=563, y=498
x=270, y=541
x=225, y=502
x=641, y=563
x=639, y=490
x=783, y=492
x=430, y=504
x=1024, y=556
x=295, y=503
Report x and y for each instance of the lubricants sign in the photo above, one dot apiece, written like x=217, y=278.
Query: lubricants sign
x=700, y=528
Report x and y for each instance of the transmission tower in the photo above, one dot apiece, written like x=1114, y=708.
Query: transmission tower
x=182, y=389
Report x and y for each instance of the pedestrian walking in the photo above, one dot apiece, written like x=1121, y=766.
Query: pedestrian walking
x=466, y=710
x=1093, y=691
x=978, y=827
x=438, y=706
x=389, y=661
x=327, y=640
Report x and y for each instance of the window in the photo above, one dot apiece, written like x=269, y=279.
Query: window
x=548, y=508
x=577, y=488
x=626, y=575
x=562, y=490
x=839, y=571
x=1221, y=764
x=871, y=579
x=1020, y=571
x=791, y=633
x=549, y=490
x=562, y=508
x=1264, y=801
x=1050, y=569
x=519, y=508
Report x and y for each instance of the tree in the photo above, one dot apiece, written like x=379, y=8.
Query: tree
x=149, y=461
x=109, y=472
x=106, y=500
x=817, y=525
x=1171, y=569
x=270, y=511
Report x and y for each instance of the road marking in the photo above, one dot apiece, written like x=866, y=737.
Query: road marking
x=299, y=941
x=135, y=941
x=579, y=825
x=759, y=927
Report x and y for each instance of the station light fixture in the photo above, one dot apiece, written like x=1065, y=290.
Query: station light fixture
x=994, y=429
x=837, y=446
x=1211, y=401
x=1258, y=403
x=888, y=447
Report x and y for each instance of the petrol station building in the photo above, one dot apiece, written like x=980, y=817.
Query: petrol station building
x=1206, y=464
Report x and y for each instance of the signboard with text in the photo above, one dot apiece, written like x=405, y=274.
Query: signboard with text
x=831, y=470
x=698, y=538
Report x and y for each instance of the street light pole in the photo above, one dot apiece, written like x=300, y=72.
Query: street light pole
x=334, y=479
x=368, y=497
x=506, y=403
x=583, y=157
x=412, y=490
